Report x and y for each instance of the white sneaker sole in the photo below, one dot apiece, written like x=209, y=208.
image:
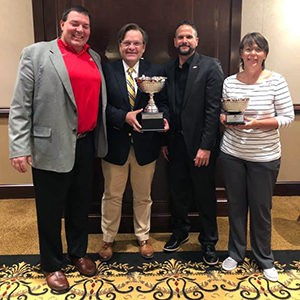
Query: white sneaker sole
x=210, y=263
x=226, y=268
x=271, y=278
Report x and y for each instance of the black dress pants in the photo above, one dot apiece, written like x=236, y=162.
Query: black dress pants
x=249, y=186
x=192, y=185
x=69, y=195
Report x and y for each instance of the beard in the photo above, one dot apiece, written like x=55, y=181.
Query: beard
x=185, y=52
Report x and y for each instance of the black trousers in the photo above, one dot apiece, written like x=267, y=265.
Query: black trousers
x=192, y=185
x=249, y=187
x=69, y=195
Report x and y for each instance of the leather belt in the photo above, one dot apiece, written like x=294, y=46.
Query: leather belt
x=82, y=135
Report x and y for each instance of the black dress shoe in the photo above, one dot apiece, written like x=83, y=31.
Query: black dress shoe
x=174, y=242
x=209, y=255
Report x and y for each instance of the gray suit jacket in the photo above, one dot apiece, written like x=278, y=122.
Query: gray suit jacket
x=43, y=113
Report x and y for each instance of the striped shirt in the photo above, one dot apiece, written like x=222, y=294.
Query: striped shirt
x=268, y=98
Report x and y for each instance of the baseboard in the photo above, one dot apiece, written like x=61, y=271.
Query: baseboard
x=160, y=215
x=24, y=191
x=287, y=188
x=16, y=191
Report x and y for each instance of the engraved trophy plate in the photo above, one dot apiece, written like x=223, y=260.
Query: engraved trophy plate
x=152, y=119
x=234, y=109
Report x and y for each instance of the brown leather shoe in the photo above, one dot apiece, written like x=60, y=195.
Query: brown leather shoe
x=85, y=266
x=106, y=251
x=57, y=281
x=146, y=249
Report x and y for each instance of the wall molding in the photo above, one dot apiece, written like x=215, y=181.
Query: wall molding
x=160, y=216
x=4, y=111
x=24, y=191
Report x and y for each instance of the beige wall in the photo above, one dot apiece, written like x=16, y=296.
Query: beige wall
x=290, y=163
x=7, y=174
x=273, y=18
x=278, y=21
x=16, y=25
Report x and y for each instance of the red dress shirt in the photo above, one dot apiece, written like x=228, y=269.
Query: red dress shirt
x=85, y=79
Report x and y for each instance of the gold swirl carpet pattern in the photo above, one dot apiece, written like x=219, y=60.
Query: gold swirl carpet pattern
x=168, y=279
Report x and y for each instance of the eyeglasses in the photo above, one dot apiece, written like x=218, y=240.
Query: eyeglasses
x=127, y=44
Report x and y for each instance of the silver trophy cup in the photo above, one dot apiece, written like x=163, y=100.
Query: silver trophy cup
x=234, y=109
x=152, y=119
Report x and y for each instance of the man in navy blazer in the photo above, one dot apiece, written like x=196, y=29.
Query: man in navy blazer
x=59, y=99
x=130, y=151
x=194, y=90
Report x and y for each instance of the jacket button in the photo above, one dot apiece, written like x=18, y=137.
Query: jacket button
x=129, y=134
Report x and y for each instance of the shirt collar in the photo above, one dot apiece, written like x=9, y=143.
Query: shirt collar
x=187, y=63
x=61, y=44
x=135, y=67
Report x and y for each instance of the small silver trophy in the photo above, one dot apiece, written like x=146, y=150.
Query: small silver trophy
x=234, y=109
x=152, y=119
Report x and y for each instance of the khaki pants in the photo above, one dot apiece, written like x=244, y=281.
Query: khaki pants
x=115, y=179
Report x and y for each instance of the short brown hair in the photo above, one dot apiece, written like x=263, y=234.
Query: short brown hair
x=78, y=8
x=132, y=26
x=254, y=38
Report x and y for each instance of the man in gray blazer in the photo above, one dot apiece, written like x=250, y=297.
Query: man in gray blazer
x=56, y=122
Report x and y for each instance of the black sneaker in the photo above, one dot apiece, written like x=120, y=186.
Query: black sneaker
x=174, y=242
x=209, y=255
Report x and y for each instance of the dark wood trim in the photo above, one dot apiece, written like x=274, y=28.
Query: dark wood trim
x=16, y=191
x=4, y=111
x=43, y=12
x=38, y=20
x=160, y=222
x=235, y=34
x=21, y=191
x=297, y=109
x=287, y=188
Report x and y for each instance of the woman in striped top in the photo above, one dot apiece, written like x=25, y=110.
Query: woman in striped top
x=250, y=153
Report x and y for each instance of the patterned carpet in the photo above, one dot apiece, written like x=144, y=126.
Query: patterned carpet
x=181, y=275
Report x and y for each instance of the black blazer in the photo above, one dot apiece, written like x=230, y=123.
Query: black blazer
x=201, y=104
x=119, y=134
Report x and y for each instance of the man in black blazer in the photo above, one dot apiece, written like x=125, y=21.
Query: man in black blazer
x=194, y=90
x=130, y=151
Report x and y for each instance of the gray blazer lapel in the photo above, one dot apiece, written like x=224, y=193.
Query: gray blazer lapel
x=59, y=65
x=95, y=58
x=97, y=61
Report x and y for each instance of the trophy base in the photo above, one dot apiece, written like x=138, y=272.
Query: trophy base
x=234, y=119
x=152, y=122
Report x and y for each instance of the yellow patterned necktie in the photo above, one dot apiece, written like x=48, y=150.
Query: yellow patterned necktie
x=130, y=87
